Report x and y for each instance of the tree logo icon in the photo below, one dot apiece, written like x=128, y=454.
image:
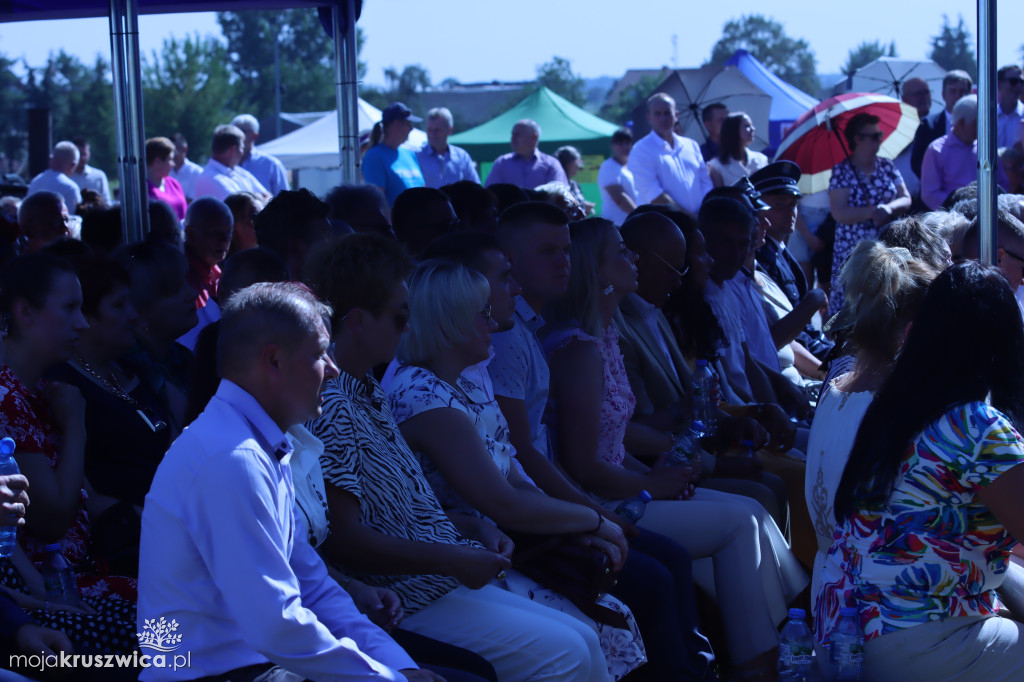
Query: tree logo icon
x=159, y=635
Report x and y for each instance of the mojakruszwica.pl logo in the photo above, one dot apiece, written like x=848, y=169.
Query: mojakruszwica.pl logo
x=158, y=635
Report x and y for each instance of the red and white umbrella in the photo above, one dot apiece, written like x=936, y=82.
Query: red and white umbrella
x=815, y=141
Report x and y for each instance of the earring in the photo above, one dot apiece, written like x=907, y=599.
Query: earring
x=607, y=291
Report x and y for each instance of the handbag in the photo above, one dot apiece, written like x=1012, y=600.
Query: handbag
x=580, y=573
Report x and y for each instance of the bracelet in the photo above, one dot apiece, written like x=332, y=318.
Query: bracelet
x=600, y=522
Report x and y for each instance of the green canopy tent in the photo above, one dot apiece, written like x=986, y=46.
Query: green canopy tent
x=561, y=123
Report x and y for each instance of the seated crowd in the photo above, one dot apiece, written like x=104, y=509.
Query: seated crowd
x=388, y=435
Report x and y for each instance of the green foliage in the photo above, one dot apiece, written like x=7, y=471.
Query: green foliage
x=953, y=48
x=403, y=86
x=790, y=59
x=306, y=56
x=865, y=53
x=13, y=139
x=187, y=88
x=621, y=110
x=558, y=76
x=81, y=101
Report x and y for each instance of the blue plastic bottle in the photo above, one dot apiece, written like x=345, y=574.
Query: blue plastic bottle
x=685, y=445
x=8, y=534
x=632, y=510
x=59, y=577
x=796, y=648
x=704, y=409
x=847, y=646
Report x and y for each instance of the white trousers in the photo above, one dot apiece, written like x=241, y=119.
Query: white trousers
x=753, y=573
x=521, y=639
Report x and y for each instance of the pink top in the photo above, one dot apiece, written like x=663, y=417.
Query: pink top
x=617, y=400
x=172, y=194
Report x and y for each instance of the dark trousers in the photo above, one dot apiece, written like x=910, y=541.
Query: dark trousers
x=657, y=585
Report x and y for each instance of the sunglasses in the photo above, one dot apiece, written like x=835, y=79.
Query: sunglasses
x=400, y=318
x=1012, y=254
x=877, y=137
x=678, y=273
x=1013, y=81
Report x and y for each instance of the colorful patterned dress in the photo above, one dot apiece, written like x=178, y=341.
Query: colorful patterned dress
x=935, y=551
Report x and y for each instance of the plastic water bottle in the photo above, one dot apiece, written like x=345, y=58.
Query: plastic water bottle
x=747, y=451
x=847, y=646
x=685, y=445
x=632, y=510
x=704, y=409
x=8, y=534
x=59, y=577
x=796, y=648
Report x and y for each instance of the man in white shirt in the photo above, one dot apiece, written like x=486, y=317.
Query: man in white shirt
x=223, y=175
x=264, y=167
x=56, y=178
x=87, y=177
x=185, y=171
x=226, y=575
x=668, y=168
x=618, y=192
x=1010, y=84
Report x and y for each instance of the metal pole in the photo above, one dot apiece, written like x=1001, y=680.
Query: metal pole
x=277, y=87
x=346, y=84
x=127, y=77
x=987, y=130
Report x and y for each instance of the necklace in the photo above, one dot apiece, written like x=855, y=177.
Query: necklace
x=111, y=384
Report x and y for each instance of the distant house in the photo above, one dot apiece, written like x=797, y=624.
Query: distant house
x=473, y=103
x=631, y=78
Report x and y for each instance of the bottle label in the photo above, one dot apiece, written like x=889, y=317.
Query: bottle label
x=800, y=653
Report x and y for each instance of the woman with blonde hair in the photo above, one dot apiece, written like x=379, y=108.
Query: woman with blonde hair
x=883, y=287
x=589, y=413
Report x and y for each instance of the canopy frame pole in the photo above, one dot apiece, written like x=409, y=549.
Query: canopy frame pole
x=987, y=130
x=127, y=81
x=346, y=89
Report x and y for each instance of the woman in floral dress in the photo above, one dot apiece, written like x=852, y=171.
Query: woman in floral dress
x=866, y=192
x=928, y=507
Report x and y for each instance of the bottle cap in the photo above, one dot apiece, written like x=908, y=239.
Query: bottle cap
x=697, y=425
x=797, y=614
x=645, y=496
x=748, y=444
x=849, y=611
x=55, y=547
x=702, y=363
x=7, y=445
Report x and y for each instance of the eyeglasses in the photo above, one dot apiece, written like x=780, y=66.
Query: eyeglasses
x=877, y=137
x=486, y=312
x=679, y=273
x=1012, y=254
x=1013, y=81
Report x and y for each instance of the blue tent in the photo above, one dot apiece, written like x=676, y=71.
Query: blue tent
x=788, y=102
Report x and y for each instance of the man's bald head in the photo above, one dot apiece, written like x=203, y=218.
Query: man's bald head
x=661, y=250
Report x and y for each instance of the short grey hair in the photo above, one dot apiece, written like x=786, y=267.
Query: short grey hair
x=281, y=313
x=527, y=123
x=247, y=123
x=663, y=97
x=444, y=298
x=966, y=109
x=66, y=150
x=443, y=114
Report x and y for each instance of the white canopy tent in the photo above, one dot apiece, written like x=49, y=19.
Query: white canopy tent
x=316, y=145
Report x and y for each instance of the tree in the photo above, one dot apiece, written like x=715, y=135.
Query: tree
x=407, y=84
x=13, y=139
x=790, y=59
x=621, y=110
x=557, y=75
x=865, y=53
x=81, y=101
x=305, y=55
x=187, y=88
x=953, y=48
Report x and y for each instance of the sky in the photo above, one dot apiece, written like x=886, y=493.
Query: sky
x=483, y=40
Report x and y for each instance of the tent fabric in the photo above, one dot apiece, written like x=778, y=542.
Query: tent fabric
x=561, y=123
x=788, y=102
x=316, y=145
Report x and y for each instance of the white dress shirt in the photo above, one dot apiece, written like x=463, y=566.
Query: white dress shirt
x=218, y=181
x=678, y=170
x=225, y=556
x=187, y=176
x=53, y=181
x=94, y=179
